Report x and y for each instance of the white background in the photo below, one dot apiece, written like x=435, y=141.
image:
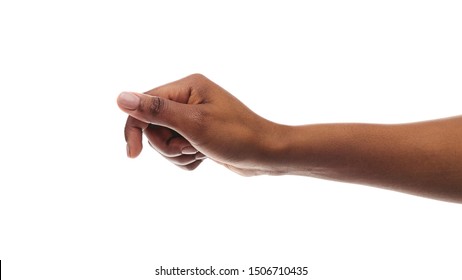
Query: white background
x=72, y=206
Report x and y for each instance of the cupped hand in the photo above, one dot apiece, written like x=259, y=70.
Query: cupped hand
x=192, y=119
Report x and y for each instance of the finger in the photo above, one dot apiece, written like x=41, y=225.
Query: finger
x=200, y=156
x=158, y=110
x=191, y=166
x=167, y=142
x=186, y=90
x=133, y=136
x=182, y=160
x=177, y=91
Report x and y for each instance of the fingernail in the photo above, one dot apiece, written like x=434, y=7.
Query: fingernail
x=128, y=151
x=189, y=150
x=128, y=100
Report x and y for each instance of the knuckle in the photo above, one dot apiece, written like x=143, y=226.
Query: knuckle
x=154, y=105
x=197, y=77
x=189, y=168
x=198, y=82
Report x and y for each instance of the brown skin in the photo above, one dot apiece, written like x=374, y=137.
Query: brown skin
x=192, y=119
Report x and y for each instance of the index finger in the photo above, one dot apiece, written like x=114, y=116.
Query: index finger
x=134, y=136
x=183, y=91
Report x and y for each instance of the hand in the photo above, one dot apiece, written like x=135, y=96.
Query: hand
x=192, y=119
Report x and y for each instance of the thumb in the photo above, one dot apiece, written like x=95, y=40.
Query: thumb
x=156, y=110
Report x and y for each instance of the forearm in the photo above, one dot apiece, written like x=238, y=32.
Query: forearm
x=419, y=158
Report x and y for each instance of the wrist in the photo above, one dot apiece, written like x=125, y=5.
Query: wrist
x=279, y=149
x=295, y=150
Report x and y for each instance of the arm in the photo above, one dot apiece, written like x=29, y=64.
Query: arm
x=419, y=158
x=193, y=119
